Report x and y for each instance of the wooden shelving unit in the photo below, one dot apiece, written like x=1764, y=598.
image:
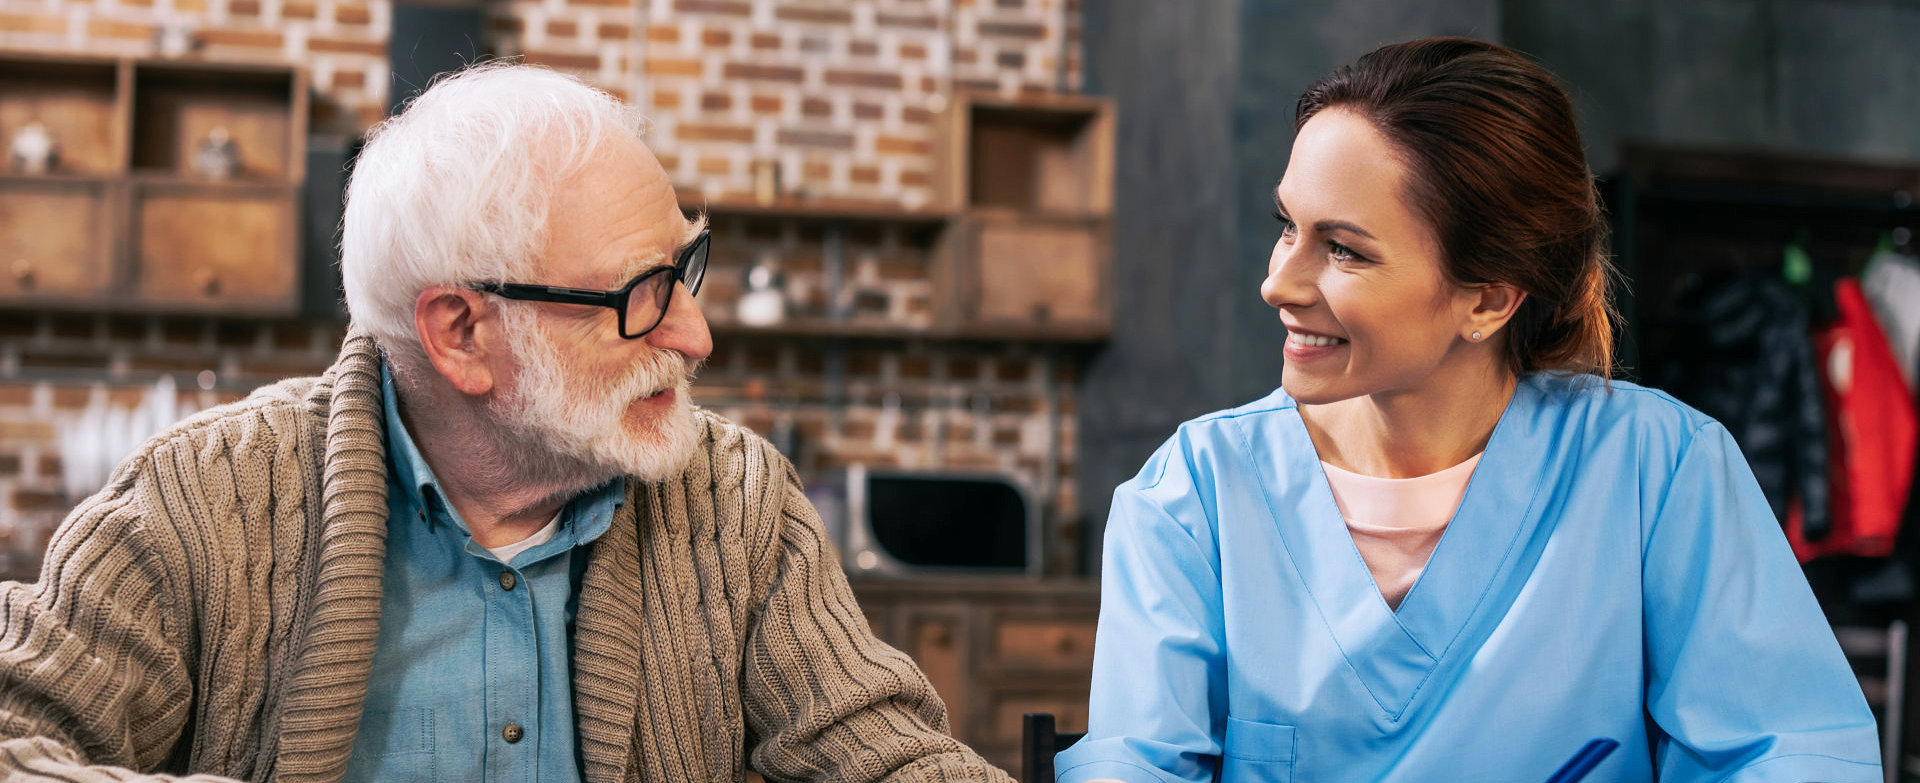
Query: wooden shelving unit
x=123, y=220
x=1032, y=182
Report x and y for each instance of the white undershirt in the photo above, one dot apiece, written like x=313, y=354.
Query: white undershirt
x=1395, y=523
x=541, y=536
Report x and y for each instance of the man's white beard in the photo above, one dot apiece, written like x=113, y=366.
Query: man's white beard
x=566, y=429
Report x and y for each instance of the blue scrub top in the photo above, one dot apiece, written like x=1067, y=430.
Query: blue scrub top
x=1613, y=571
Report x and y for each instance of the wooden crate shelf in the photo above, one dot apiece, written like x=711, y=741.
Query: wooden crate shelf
x=123, y=221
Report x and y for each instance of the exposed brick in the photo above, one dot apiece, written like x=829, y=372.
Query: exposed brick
x=815, y=171
x=352, y=14
x=563, y=28
x=663, y=34
x=662, y=66
x=912, y=52
x=1013, y=30
x=195, y=6
x=716, y=166
x=865, y=175
x=666, y=99
x=915, y=179
x=501, y=24
x=351, y=47
x=873, y=79
x=814, y=15
x=16, y=395
x=916, y=367
x=716, y=38
x=256, y=39
x=610, y=31
x=720, y=7
x=774, y=73
x=815, y=44
x=915, y=115
x=917, y=22
x=894, y=145
x=983, y=85
x=1014, y=59
x=244, y=7
x=293, y=9
x=715, y=101
x=816, y=107
x=863, y=48
x=805, y=138
x=696, y=132
x=669, y=162
x=108, y=28
x=9, y=465
x=28, y=500
x=578, y=62
x=70, y=397
x=868, y=111
x=1010, y=3
x=966, y=56
x=928, y=84
x=764, y=41
x=602, y=3
x=766, y=104
x=349, y=79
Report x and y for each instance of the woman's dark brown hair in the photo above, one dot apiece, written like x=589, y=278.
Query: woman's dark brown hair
x=1496, y=167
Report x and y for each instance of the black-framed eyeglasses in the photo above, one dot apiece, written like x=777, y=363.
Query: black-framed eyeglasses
x=642, y=302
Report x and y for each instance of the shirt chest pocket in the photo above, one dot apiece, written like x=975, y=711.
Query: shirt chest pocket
x=1257, y=752
x=394, y=744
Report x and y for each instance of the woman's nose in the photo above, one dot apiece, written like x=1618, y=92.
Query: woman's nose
x=1288, y=283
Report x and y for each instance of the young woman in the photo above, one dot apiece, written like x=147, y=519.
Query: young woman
x=1447, y=549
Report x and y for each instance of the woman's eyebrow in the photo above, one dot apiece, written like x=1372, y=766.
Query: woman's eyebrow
x=1327, y=225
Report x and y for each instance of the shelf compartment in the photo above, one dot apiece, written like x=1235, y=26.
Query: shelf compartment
x=80, y=103
x=263, y=109
x=1051, y=154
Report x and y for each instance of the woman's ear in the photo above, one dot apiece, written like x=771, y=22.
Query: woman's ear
x=1490, y=307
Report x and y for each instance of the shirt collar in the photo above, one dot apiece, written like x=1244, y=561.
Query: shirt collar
x=586, y=517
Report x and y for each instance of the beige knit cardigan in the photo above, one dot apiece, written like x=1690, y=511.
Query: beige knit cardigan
x=213, y=610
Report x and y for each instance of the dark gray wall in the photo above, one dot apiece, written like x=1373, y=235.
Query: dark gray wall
x=1825, y=77
x=1205, y=94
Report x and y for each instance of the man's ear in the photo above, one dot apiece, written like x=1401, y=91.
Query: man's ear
x=1491, y=307
x=449, y=321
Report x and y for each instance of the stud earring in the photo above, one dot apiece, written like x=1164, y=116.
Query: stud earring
x=1476, y=337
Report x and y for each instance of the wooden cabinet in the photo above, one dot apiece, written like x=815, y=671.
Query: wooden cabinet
x=175, y=186
x=994, y=649
x=1032, y=180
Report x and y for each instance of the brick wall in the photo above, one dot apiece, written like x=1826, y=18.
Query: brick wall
x=841, y=94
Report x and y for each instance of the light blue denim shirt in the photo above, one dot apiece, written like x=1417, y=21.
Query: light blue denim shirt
x=472, y=676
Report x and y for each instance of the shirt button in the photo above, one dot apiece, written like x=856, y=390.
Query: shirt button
x=512, y=733
x=507, y=581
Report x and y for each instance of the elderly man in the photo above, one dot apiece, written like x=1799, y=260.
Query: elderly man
x=495, y=542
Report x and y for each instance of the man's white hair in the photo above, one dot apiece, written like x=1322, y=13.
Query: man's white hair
x=455, y=188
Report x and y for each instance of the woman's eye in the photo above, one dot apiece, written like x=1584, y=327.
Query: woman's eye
x=1341, y=252
x=1286, y=226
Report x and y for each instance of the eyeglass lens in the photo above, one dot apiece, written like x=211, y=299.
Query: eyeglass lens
x=647, y=303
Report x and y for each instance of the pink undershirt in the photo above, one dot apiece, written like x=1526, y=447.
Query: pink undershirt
x=1395, y=523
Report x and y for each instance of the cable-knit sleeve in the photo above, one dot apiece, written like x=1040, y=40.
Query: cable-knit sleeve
x=825, y=699
x=94, y=678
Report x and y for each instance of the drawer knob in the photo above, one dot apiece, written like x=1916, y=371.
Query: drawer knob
x=1065, y=645
x=208, y=281
x=23, y=273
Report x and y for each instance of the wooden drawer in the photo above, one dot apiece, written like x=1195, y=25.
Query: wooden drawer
x=1006, y=705
x=217, y=248
x=1022, y=642
x=937, y=642
x=55, y=241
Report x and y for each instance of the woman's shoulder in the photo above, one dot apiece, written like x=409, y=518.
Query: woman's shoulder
x=1619, y=412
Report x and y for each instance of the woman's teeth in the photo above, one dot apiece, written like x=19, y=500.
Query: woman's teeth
x=1312, y=340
